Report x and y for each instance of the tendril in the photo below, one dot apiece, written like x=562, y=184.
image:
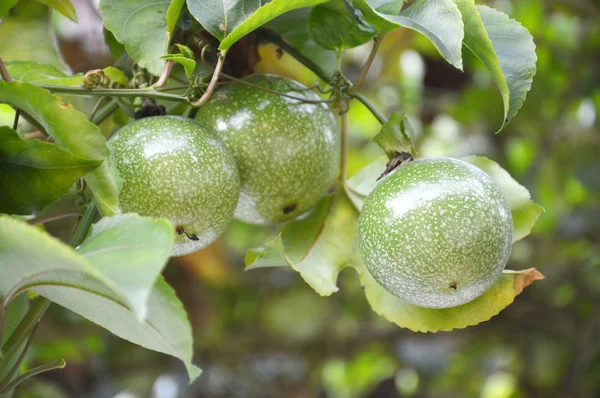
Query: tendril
x=95, y=78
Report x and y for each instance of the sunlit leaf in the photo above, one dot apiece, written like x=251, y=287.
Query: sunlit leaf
x=35, y=173
x=317, y=246
x=72, y=131
x=63, y=6
x=515, y=50
x=386, y=6
x=93, y=284
x=33, y=72
x=26, y=36
x=141, y=27
x=420, y=319
x=524, y=211
x=439, y=20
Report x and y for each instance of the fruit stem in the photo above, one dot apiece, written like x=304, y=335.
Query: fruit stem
x=166, y=72
x=367, y=65
x=344, y=149
x=213, y=81
x=105, y=111
x=4, y=72
x=372, y=108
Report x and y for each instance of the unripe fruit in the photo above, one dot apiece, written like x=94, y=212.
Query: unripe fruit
x=436, y=232
x=287, y=151
x=174, y=167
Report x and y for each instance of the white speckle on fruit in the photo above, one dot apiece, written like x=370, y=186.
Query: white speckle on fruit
x=287, y=151
x=420, y=239
x=173, y=167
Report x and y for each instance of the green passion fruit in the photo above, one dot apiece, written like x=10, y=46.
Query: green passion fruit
x=287, y=150
x=436, y=232
x=176, y=168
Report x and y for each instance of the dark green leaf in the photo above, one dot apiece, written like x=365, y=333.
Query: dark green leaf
x=115, y=48
x=72, y=131
x=514, y=49
x=141, y=27
x=230, y=21
x=63, y=6
x=337, y=25
x=35, y=173
x=5, y=7
x=439, y=20
x=396, y=135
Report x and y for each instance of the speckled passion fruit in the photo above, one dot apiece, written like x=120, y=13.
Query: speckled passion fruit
x=287, y=150
x=175, y=168
x=436, y=232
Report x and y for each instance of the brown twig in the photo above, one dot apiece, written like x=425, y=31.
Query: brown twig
x=213, y=82
x=367, y=65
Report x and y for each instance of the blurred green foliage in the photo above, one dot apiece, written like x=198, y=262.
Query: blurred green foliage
x=265, y=333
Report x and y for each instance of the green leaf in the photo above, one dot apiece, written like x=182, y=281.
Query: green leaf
x=524, y=211
x=364, y=181
x=515, y=51
x=396, y=135
x=317, y=247
x=131, y=251
x=185, y=58
x=439, y=20
x=35, y=173
x=337, y=25
x=83, y=284
x=115, y=48
x=141, y=27
x=33, y=72
x=420, y=319
x=173, y=15
x=5, y=7
x=72, y=131
x=27, y=36
x=230, y=21
x=386, y=6
x=63, y=6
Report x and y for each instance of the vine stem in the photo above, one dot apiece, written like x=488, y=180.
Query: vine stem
x=113, y=92
x=277, y=39
x=16, y=365
x=372, y=108
x=58, y=364
x=43, y=220
x=365, y=69
x=213, y=81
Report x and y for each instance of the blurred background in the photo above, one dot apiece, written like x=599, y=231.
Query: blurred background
x=265, y=333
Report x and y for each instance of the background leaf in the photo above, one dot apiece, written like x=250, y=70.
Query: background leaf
x=33, y=72
x=337, y=25
x=72, y=131
x=515, y=50
x=141, y=27
x=524, y=211
x=63, y=6
x=26, y=36
x=439, y=20
x=35, y=173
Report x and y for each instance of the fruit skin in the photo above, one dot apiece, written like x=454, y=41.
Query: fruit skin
x=287, y=151
x=436, y=232
x=175, y=167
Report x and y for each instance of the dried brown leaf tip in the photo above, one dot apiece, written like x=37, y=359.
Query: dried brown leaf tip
x=527, y=277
